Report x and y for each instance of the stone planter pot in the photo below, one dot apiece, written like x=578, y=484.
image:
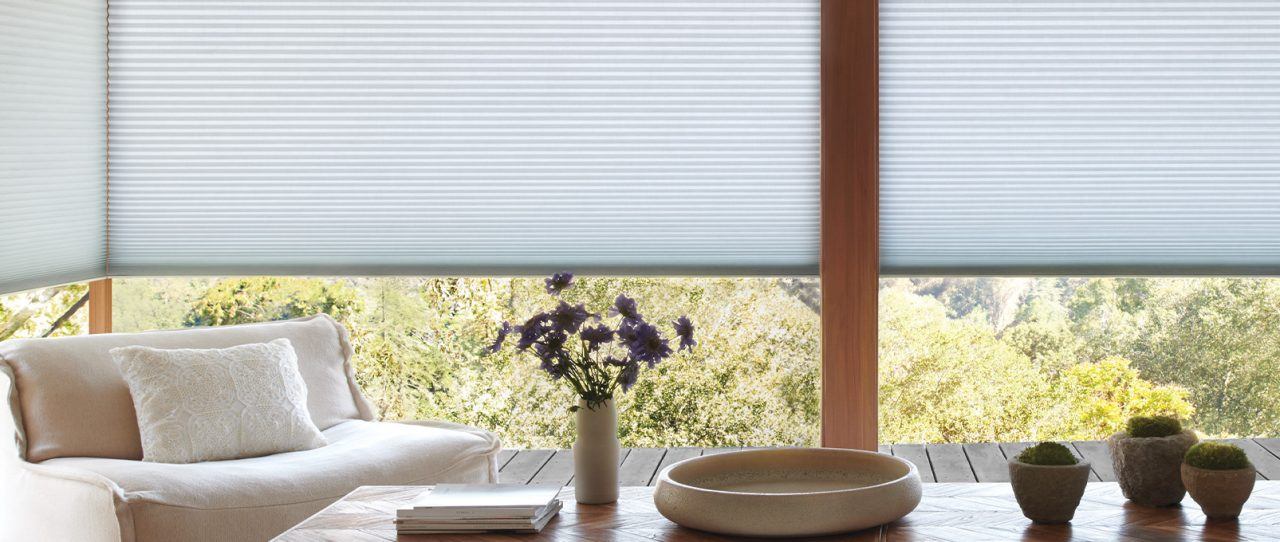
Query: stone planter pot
x=1220, y=493
x=1149, y=469
x=596, y=454
x=1048, y=493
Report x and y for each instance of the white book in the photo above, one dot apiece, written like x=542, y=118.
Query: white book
x=480, y=501
x=432, y=526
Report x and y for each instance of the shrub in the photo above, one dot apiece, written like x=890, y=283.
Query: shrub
x=1217, y=456
x=1153, y=426
x=1047, y=453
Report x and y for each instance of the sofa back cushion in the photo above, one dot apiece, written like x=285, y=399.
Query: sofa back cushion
x=74, y=402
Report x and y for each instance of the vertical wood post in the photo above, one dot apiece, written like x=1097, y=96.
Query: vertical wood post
x=100, y=306
x=850, y=259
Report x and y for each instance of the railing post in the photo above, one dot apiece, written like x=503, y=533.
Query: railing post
x=100, y=306
x=850, y=257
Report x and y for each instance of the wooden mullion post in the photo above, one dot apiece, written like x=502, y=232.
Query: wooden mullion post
x=100, y=306
x=850, y=222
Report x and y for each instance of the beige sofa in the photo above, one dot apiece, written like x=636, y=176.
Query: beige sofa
x=73, y=469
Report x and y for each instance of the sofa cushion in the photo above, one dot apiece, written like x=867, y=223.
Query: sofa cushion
x=254, y=499
x=207, y=404
x=75, y=403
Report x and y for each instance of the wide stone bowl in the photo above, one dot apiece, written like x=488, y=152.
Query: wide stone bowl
x=787, y=491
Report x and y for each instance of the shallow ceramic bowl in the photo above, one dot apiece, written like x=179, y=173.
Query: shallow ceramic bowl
x=787, y=491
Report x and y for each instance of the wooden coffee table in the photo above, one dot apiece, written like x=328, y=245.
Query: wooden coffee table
x=949, y=512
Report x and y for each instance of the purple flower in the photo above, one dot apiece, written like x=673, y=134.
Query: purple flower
x=559, y=282
x=502, y=336
x=596, y=336
x=625, y=307
x=568, y=318
x=628, y=375
x=616, y=362
x=532, y=330
x=684, y=330
x=554, y=368
x=627, y=331
x=552, y=346
x=647, y=345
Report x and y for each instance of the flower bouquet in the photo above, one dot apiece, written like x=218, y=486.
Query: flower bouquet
x=597, y=356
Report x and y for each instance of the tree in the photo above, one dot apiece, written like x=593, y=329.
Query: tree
x=262, y=299
x=948, y=380
x=30, y=313
x=1043, y=332
x=1108, y=316
x=1220, y=338
x=1098, y=398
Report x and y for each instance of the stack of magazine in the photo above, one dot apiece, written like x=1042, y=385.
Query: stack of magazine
x=462, y=508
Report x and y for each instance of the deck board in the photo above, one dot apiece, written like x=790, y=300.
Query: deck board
x=1268, y=465
x=915, y=453
x=1012, y=449
x=950, y=463
x=941, y=462
x=987, y=462
x=524, y=465
x=1099, y=458
x=1270, y=444
x=557, y=470
x=673, y=456
x=1093, y=474
x=639, y=466
x=504, y=456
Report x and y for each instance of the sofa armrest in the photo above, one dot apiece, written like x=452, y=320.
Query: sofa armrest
x=494, y=444
x=42, y=502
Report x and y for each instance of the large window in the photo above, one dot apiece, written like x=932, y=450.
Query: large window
x=420, y=350
x=1016, y=359
x=961, y=359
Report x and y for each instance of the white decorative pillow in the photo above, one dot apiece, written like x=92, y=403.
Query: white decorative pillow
x=218, y=403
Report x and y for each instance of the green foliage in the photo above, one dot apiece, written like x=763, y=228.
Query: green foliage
x=261, y=299
x=142, y=304
x=1095, y=400
x=1217, y=456
x=962, y=360
x=948, y=380
x=33, y=312
x=1153, y=426
x=1221, y=339
x=1047, y=453
x=420, y=344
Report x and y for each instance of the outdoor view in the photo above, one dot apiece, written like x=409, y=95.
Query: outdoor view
x=962, y=359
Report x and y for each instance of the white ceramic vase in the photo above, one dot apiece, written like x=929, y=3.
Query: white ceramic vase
x=596, y=454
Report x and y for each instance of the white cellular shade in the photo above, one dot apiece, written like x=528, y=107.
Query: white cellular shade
x=468, y=136
x=52, y=142
x=1083, y=137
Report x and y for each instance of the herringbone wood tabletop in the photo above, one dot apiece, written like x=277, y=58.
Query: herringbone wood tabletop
x=948, y=512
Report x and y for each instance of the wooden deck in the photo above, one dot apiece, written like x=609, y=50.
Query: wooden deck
x=978, y=462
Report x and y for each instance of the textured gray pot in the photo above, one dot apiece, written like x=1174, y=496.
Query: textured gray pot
x=1220, y=493
x=1150, y=469
x=1048, y=493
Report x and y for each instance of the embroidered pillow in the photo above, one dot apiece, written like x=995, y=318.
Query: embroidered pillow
x=218, y=403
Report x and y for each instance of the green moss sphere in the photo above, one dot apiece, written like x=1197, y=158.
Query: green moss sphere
x=1217, y=456
x=1047, y=453
x=1154, y=426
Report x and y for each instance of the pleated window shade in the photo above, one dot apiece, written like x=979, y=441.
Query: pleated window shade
x=464, y=137
x=1083, y=137
x=52, y=142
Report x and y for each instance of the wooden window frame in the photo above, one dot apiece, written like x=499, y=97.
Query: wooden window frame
x=850, y=252
x=100, y=306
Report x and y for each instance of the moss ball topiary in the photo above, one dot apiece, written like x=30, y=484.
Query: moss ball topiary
x=1217, y=456
x=1154, y=426
x=1047, y=453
